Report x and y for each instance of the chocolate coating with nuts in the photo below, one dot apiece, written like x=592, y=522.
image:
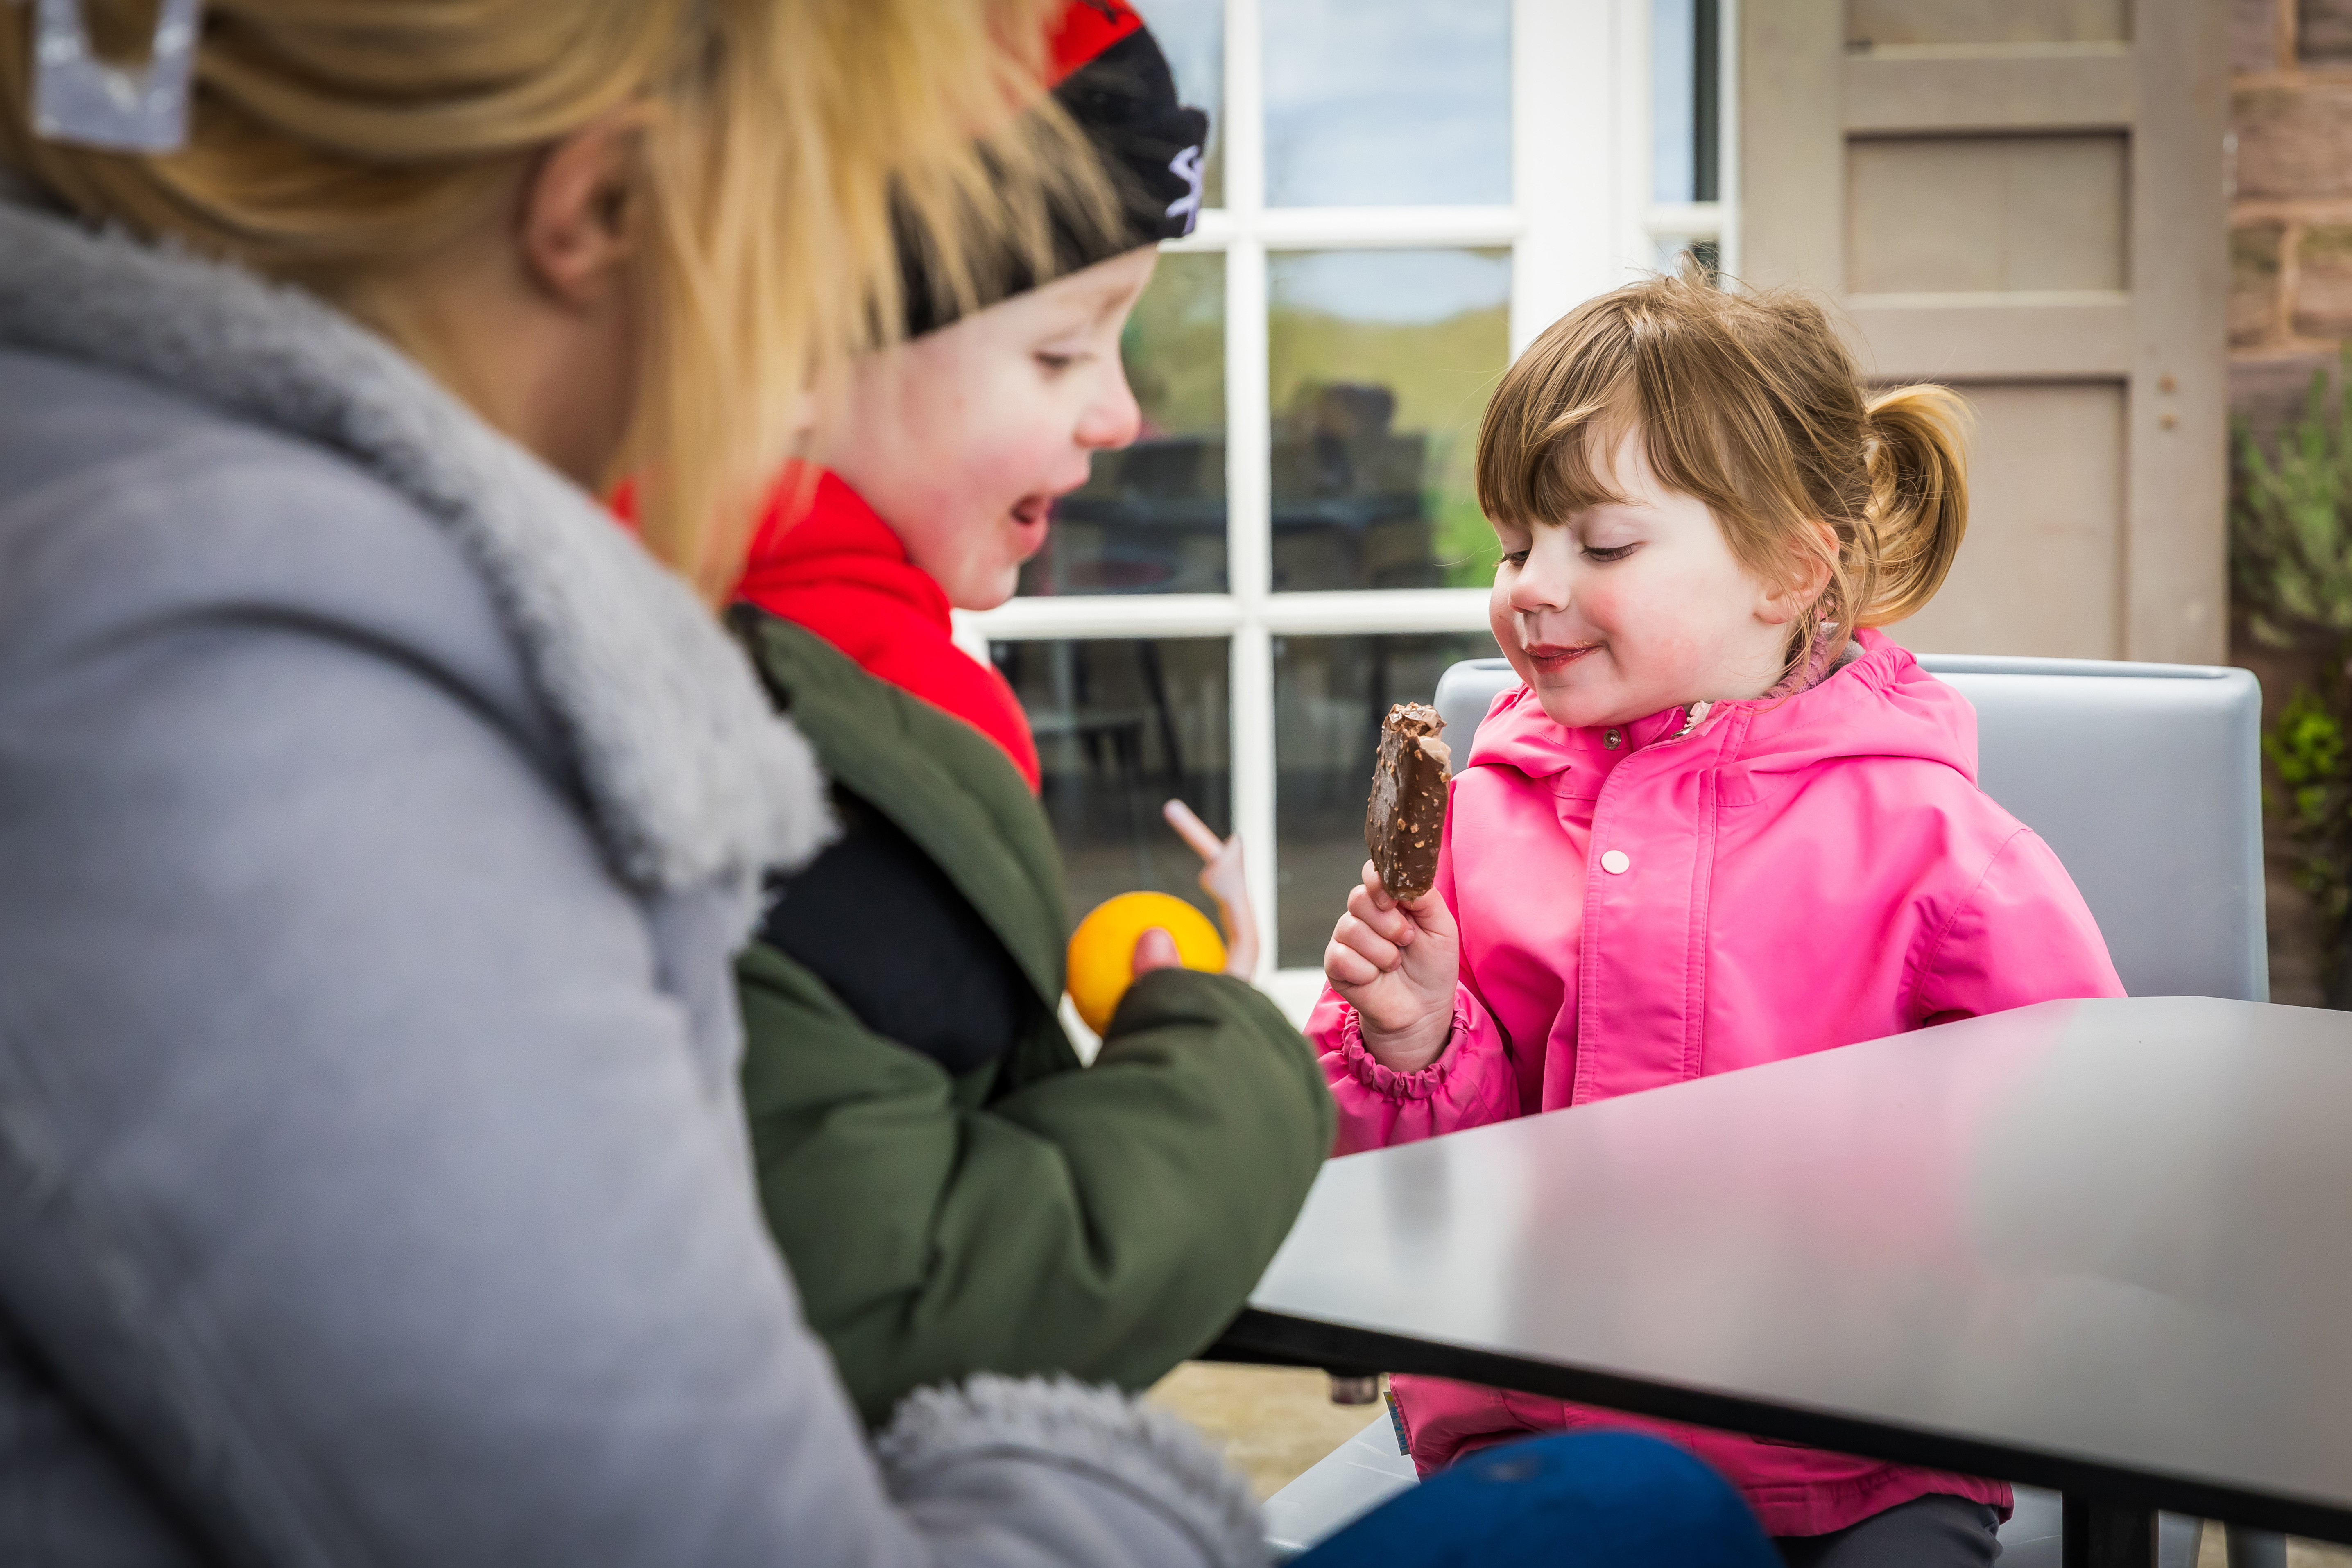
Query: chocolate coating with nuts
x=1405, y=820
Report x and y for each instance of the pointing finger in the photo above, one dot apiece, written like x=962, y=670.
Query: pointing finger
x=1193, y=830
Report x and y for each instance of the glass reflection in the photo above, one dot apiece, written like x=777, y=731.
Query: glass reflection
x=1380, y=363
x=1387, y=102
x=1152, y=518
x=1330, y=695
x=1121, y=725
x=1191, y=33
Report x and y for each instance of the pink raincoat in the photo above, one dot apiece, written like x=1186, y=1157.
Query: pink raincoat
x=1640, y=905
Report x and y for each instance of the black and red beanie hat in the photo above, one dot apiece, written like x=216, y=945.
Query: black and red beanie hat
x=1111, y=78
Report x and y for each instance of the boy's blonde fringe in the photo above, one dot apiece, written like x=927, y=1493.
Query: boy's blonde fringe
x=338, y=144
x=1751, y=403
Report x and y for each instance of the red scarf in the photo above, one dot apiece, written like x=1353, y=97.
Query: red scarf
x=840, y=572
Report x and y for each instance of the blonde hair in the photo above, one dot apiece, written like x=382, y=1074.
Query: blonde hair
x=1749, y=402
x=789, y=147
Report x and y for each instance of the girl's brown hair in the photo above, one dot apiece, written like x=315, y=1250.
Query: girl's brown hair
x=1749, y=402
x=789, y=146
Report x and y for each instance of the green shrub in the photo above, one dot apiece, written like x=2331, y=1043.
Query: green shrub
x=2290, y=551
x=2306, y=748
x=2291, y=570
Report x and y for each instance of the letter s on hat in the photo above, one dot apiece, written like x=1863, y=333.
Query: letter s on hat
x=1186, y=166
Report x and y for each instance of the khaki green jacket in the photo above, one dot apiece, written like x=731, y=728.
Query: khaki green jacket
x=1030, y=1215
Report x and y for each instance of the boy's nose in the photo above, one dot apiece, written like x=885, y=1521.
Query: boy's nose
x=1112, y=417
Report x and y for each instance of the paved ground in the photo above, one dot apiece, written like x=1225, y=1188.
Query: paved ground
x=1274, y=1421
x=1277, y=1421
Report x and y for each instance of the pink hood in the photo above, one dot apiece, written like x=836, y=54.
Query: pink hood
x=1790, y=876
x=1879, y=704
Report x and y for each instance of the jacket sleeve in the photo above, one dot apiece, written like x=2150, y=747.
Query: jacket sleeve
x=1472, y=1083
x=2022, y=935
x=1104, y=1222
x=364, y=1183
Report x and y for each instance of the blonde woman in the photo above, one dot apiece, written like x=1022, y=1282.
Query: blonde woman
x=379, y=819
x=376, y=820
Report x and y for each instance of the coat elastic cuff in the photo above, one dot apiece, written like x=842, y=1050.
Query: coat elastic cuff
x=1060, y=1424
x=1384, y=1081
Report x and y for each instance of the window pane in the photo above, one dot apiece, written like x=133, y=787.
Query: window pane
x=1387, y=102
x=1121, y=726
x=1671, y=80
x=1152, y=518
x=1684, y=94
x=1380, y=363
x=1191, y=33
x=1330, y=695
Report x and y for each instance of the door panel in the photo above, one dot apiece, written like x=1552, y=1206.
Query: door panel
x=2037, y=576
x=1984, y=214
x=1885, y=21
x=1975, y=184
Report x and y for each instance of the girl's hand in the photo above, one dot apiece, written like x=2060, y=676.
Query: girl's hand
x=1396, y=963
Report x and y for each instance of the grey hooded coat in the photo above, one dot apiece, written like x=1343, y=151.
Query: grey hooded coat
x=376, y=823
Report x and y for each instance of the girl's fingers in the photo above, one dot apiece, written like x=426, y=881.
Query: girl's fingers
x=1388, y=920
x=1428, y=914
x=1345, y=967
x=1377, y=949
x=1376, y=888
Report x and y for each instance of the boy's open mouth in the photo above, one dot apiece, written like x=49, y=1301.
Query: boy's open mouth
x=1032, y=516
x=1551, y=657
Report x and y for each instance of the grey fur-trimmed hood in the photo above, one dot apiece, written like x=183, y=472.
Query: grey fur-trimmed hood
x=944, y=1440
x=690, y=775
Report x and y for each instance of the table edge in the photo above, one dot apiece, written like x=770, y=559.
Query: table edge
x=1258, y=1335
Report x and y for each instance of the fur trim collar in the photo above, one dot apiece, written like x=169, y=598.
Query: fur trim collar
x=689, y=775
x=1114, y=1438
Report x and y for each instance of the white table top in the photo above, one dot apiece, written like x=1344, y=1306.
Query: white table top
x=2100, y=1246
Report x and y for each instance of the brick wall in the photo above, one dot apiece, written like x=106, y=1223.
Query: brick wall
x=2291, y=199
x=2290, y=306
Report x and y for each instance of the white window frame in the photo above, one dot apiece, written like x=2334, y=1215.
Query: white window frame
x=1578, y=223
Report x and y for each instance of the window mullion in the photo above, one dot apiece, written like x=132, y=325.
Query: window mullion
x=1727, y=56
x=1248, y=479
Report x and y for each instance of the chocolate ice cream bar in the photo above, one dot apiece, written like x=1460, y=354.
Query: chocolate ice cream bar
x=1407, y=815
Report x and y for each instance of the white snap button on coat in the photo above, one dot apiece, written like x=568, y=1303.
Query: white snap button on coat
x=1616, y=862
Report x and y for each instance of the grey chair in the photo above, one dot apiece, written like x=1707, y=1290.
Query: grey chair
x=2145, y=780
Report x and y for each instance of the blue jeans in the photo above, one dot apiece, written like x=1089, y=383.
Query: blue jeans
x=1587, y=1499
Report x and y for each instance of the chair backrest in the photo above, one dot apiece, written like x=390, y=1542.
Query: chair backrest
x=2144, y=778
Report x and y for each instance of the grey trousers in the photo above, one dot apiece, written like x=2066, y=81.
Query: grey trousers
x=1933, y=1531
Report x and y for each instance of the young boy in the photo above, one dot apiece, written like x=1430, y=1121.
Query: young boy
x=953, y=1194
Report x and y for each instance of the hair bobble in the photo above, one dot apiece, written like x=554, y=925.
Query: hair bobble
x=79, y=98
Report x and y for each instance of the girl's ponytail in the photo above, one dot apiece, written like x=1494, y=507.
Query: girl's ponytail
x=1918, y=497
x=1750, y=401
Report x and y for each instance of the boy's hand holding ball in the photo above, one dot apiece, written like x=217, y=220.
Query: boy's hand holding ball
x=1396, y=962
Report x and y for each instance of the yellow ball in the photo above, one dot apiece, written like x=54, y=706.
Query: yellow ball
x=1102, y=949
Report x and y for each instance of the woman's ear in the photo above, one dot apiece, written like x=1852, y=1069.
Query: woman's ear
x=578, y=209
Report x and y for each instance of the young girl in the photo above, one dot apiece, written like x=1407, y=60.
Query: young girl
x=1722, y=822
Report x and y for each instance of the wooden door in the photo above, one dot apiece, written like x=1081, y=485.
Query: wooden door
x=2022, y=199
